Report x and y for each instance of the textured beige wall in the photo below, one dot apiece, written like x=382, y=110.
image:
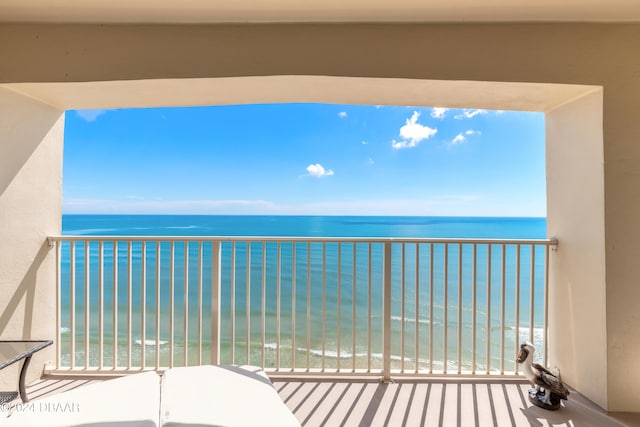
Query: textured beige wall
x=575, y=216
x=31, y=136
x=588, y=54
x=553, y=53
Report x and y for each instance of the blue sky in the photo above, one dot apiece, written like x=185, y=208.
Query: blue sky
x=306, y=159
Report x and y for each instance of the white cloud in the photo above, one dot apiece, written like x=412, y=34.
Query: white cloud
x=342, y=114
x=412, y=133
x=90, y=115
x=413, y=130
x=460, y=138
x=469, y=114
x=318, y=171
x=438, y=113
x=364, y=142
x=370, y=161
x=403, y=144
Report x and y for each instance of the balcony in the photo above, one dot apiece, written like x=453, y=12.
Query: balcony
x=291, y=305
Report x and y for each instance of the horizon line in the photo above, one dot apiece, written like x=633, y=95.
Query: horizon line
x=307, y=215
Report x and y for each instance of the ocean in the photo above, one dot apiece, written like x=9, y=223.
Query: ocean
x=320, y=302
x=305, y=226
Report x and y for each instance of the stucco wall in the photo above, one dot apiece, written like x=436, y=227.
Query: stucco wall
x=31, y=137
x=590, y=54
x=575, y=216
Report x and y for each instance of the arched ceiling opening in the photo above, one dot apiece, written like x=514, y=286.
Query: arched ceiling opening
x=269, y=89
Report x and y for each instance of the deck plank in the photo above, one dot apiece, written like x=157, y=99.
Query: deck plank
x=363, y=402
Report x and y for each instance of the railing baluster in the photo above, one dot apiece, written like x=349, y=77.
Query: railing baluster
x=324, y=302
x=58, y=247
x=215, y=301
x=200, y=255
x=100, y=305
x=293, y=306
x=264, y=302
x=517, y=304
x=157, y=349
x=488, y=343
x=339, y=351
x=115, y=304
x=248, y=306
x=431, y=275
x=502, y=306
x=532, y=283
x=233, y=302
x=278, y=305
x=143, y=303
x=129, y=302
x=172, y=284
x=185, y=336
x=369, y=308
x=72, y=302
x=354, y=282
x=403, y=316
x=546, y=306
x=474, y=307
x=87, y=300
x=445, y=327
x=459, y=308
x=308, y=306
x=386, y=314
x=417, y=332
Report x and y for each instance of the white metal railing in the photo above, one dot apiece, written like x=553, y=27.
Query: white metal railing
x=381, y=306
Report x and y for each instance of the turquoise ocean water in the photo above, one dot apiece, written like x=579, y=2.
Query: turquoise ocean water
x=306, y=308
x=305, y=226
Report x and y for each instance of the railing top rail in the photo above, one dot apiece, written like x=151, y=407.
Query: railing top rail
x=58, y=238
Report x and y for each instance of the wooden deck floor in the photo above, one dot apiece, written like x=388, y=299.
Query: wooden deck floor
x=433, y=402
